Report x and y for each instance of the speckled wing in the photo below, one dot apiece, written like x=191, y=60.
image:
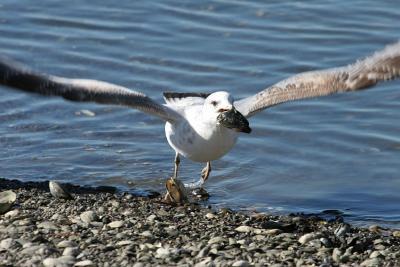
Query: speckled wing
x=383, y=65
x=17, y=76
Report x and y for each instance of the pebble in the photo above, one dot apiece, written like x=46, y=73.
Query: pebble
x=5, y=244
x=124, y=243
x=241, y=263
x=11, y=213
x=146, y=234
x=396, y=233
x=217, y=239
x=58, y=190
x=336, y=254
x=342, y=230
x=244, y=229
x=151, y=233
x=163, y=252
x=116, y=224
x=66, y=243
x=151, y=218
x=375, y=228
x=210, y=215
x=308, y=237
x=71, y=251
x=47, y=225
x=84, y=263
x=375, y=262
x=63, y=261
x=375, y=254
x=88, y=216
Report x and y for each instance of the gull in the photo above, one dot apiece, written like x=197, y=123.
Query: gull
x=203, y=127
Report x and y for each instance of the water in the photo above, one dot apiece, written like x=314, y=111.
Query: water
x=340, y=152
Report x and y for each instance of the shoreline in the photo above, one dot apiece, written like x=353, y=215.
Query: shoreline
x=103, y=227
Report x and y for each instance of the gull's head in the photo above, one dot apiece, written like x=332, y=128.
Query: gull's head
x=219, y=107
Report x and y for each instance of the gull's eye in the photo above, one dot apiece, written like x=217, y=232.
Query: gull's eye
x=214, y=103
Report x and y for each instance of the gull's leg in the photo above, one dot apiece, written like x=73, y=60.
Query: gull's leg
x=199, y=191
x=204, y=176
x=176, y=192
x=177, y=161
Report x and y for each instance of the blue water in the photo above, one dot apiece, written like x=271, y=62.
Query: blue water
x=339, y=152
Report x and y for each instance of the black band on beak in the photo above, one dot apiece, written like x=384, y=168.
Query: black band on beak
x=233, y=119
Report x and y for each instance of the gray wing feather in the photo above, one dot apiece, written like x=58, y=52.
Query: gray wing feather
x=16, y=76
x=383, y=65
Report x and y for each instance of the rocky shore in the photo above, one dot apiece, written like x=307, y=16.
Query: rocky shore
x=102, y=227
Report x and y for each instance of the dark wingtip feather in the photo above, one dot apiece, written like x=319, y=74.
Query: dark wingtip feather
x=173, y=95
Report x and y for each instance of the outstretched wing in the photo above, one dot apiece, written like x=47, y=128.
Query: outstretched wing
x=383, y=65
x=16, y=76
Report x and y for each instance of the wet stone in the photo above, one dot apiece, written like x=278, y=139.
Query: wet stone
x=88, y=216
x=116, y=224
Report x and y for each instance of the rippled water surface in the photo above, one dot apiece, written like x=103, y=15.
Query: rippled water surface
x=339, y=152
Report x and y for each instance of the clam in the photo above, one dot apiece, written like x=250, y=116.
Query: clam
x=176, y=192
x=7, y=199
x=57, y=190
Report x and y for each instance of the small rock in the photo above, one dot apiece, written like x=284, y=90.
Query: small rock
x=203, y=252
x=116, y=224
x=217, y=239
x=207, y=262
x=47, y=225
x=50, y=262
x=372, y=262
x=163, y=253
x=66, y=243
x=325, y=242
x=84, y=263
x=267, y=231
x=210, y=215
x=71, y=251
x=396, y=233
x=5, y=244
x=124, y=243
x=146, y=234
x=63, y=261
x=58, y=190
x=336, y=255
x=308, y=237
x=374, y=228
x=88, y=216
x=11, y=213
x=244, y=229
x=151, y=218
x=375, y=254
x=241, y=263
x=342, y=230
x=7, y=199
x=162, y=213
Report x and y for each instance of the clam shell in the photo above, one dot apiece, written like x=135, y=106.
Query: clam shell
x=7, y=199
x=59, y=191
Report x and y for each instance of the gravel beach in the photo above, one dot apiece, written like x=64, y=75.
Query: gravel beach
x=102, y=227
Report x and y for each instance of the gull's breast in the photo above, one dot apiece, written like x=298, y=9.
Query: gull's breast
x=200, y=143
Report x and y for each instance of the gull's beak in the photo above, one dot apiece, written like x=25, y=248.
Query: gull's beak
x=233, y=119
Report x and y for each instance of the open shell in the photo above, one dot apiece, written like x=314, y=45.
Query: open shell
x=7, y=199
x=59, y=191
